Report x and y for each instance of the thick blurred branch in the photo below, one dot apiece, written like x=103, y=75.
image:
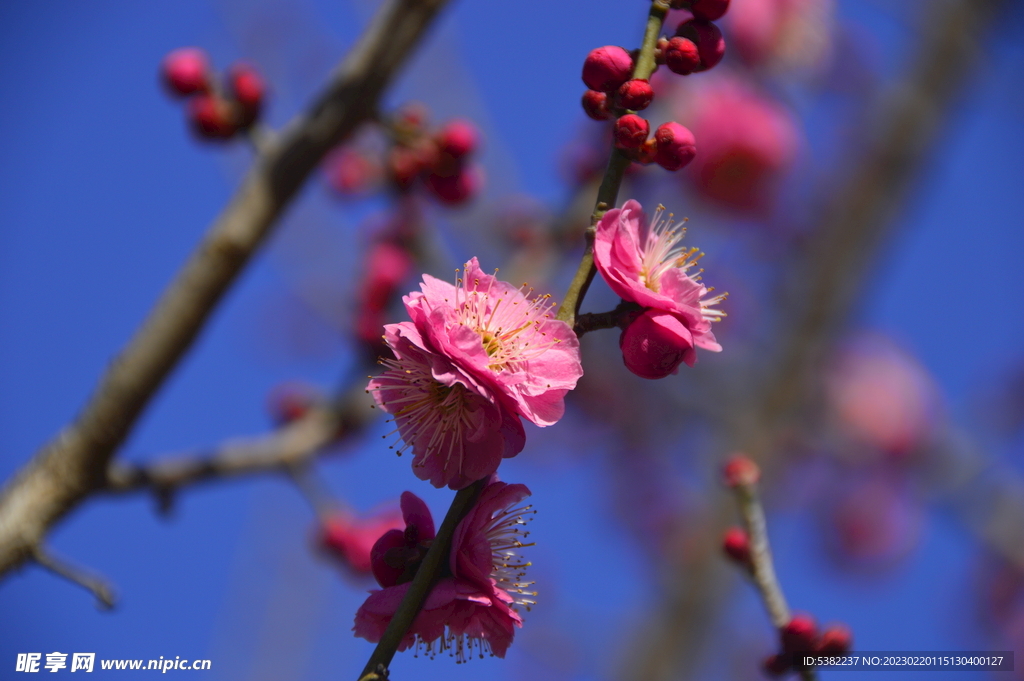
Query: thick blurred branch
x=822, y=291
x=74, y=464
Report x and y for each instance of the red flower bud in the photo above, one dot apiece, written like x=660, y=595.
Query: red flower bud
x=595, y=104
x=799, y=634
x=681, y=56
x=709, y=10
x=211, y=117
x=736, y=545
x=606, y=68
x=647, y=152
x=676, y=146
x=709, y=41
x=186, y=71
x=655, y=344
x=836, y=640
x=456, y=188
x=248, y=88
x=457, y=138
x=631, y=131
x=741, y=470
x=777, y=665
x=636, y=94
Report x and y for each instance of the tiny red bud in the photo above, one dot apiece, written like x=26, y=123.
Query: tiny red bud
x=404, y=166
x=659, y=51
x=606, y=68
x=291, y=401
x=631, y=131
x=676, y=146
x=708, y=39
x=457, y=138
x=595, y=104
x=647, y=152
x=248, y=89
x=186, y=71
x=709, y=10
x=456, y=188
x=741, y=470
x=211, y=117
x=835, y=640
x=799, y=634
x=636, y=94
x=736, y=545
x=681, y=56
x=777, y=665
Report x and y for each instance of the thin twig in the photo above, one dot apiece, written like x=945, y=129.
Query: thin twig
x=73, y=465
x=762, y=567
x=617, y=164
x=104, y=594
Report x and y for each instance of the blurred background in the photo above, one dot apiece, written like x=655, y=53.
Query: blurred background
x=856, y=191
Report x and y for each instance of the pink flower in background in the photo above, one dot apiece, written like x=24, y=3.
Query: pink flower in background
x=645, y=263
x=456, y=426
x=746, y=142
x=882, y=396
x=782, y=33
x=349, y=538
x=507, y=341
x=473, y=611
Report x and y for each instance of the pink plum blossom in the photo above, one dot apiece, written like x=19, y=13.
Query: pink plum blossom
x=746, y=142
x=505, y=340
x=643, y=262
x=475, y=609
x=456, y=426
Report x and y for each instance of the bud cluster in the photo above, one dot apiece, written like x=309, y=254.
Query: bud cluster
x=800, y=636
x=614, y=91
x=439, y=161
x=216, y=111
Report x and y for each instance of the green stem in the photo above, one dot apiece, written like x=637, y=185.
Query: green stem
x=617, y=164
x=423, y=582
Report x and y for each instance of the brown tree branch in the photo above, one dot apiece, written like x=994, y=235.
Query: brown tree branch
x=74, y=464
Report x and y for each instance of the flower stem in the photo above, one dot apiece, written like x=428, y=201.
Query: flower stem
x=426, y=576
x=617, y=164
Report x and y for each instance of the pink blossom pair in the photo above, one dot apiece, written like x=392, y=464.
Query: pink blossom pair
x=644, y=263
x=474, y=609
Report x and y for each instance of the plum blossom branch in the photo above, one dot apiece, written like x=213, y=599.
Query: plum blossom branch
x=612, y=180
x=74, y=464
x=617, y=318
x=742, y=475
x=97, y=587
x=426, y=576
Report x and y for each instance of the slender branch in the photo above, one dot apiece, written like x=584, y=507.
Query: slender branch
x=426, y=576
x=97, y=587
x=74, y=463
x=617, y=164
x=617, y=318
x=762, y=567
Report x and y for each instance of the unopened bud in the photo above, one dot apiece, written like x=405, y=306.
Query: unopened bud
x=595, y=104
x=606, y=68
x=636, y=94
x=631, y=131
x=741, y=470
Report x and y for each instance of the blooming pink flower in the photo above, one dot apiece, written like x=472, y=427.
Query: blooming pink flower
x=349, y=538
x=506, y=341
x=643, y=262
x=457, y=428
x=475, y=609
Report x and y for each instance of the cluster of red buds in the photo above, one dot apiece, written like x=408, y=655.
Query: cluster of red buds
x=800, y=636
x=216, y=110
x=613, y=91
x=440, y=161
